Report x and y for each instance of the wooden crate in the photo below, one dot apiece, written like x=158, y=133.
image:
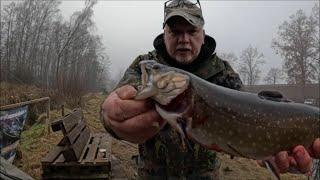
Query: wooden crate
x=94, y=161
x=80, y=154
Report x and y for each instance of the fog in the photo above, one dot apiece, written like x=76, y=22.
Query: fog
x=128, y=28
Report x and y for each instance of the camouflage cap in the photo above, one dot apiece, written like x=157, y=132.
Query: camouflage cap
x=186, y=9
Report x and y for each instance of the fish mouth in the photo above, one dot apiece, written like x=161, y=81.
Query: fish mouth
x=147, y=89
x=170, y=89
x=160, y=82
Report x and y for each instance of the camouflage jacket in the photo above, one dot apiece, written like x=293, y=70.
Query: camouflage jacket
x=164, y=154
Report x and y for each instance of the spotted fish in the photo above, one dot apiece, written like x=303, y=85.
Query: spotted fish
x=238, y=123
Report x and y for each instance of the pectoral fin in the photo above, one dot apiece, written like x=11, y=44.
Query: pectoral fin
x=172, y=119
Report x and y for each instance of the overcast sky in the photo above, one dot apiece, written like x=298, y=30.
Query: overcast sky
x=129, y=27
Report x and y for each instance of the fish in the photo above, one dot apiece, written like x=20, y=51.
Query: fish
x=238, y=123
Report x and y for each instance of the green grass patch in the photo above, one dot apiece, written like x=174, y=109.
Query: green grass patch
x=30, y=139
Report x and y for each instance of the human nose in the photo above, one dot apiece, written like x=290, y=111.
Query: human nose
x=184, y=38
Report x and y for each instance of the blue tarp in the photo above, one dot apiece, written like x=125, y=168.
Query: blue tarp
x=11, y=123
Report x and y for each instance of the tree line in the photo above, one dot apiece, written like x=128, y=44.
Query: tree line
x=39, y=47
x=298, y=44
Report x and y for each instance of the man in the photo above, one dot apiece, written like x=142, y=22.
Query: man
x=183, y=45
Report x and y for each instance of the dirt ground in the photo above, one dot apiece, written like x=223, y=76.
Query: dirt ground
x=36, y=142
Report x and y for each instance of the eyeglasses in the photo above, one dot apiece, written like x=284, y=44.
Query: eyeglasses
x=182, y=3
x=193, y=5
x=177, y=3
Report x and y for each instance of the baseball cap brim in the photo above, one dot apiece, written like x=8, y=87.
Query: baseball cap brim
x=192, y=19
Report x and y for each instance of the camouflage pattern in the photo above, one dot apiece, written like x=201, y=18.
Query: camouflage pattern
x=164, y=156
x=185, y=9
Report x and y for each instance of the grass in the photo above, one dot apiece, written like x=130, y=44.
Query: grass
x=35, y=143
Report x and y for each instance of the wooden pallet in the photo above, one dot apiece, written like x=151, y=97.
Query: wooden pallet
x=79, y=154
x=94, y=162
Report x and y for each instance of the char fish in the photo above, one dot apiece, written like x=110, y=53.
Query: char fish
x=239, y=123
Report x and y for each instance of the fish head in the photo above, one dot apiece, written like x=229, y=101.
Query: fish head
x=160, y=82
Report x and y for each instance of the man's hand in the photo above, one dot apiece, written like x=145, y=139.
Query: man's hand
x=299, y=159
x=132, y=120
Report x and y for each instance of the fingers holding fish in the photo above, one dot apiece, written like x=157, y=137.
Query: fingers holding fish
x=136, y=138
x=138, y=123
x=302, y=158
x=139, y=128
x=123, y=108
x=282, y=161
x=299, y=161
x=126, y=92
x=133, y=120
x=314, y=150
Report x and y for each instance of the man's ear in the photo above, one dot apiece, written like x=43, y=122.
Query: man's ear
x=204, y=36
x=166, y=29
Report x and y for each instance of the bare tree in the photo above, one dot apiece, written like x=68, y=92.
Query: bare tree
x=249, y=68
x=25, y=23
x=230, y=57
x=6, y=40
x=274, y=76
x=78, y=20
x=315, y=17
x=39, y=47
x=243, y=75
x=298, y=44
